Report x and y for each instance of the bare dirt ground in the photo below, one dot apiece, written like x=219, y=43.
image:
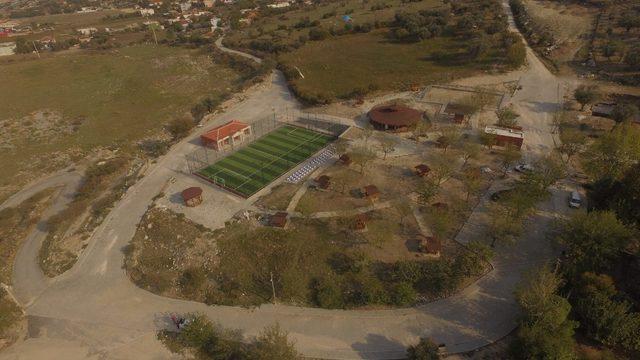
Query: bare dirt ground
x=570, y=23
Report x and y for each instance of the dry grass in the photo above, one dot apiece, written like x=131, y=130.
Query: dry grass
x=279, y=197
x=110, y=99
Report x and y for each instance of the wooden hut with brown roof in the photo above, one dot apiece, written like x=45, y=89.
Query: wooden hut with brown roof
x=278, y=219
x=396, y=118
x=429, y=245
x=323, y=182
x=371, y=192
x=360, y=222
x=192, y=196
x=422, y=170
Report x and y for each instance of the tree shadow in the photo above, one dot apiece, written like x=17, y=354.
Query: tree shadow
x=378, y=346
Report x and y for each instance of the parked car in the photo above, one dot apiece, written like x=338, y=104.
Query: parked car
x=524, y=168
x=575, y=200
x=501, y=194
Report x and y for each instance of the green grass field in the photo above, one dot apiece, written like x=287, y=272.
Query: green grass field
x=258, y=164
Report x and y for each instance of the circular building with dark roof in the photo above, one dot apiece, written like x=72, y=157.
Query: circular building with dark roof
x=394, y=117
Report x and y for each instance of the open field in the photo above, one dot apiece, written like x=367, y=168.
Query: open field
x=258, y=164
x=281, y=28
x=337, y=67
x=65, y=106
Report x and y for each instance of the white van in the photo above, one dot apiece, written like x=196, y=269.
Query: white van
x=575, y=200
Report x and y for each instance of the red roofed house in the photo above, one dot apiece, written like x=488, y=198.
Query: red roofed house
x=192, y=196
x=229, y=134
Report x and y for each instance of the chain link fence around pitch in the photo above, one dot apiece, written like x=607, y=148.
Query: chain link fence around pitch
x=205, y=156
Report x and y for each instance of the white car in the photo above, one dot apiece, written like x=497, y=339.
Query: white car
x=524, y=168
x=575, y=200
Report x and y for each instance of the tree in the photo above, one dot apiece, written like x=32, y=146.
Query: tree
x=367, y=133
x=426, y=349
x=341, y=145
x=387, y=144
x=509, y=156
x=611, y=48
x=180, y=127
x=472, y=181
x=546, y=172
x=403, y=209
x=613, y=154
x=420, y=130
x=470, y=150
x=585, y=95
x=343, y=178
x=361, y=156
x=624, y=112
x=488, y=139
x=426, y=191
x=601, y=316
x=572, y=142
x=594, y=242
x=273, y=344
x=449, y=136
x=503, y=228
x=629, y=20
x=442, y=167
x=545, y=331
x=632, y=58
x=507, y=117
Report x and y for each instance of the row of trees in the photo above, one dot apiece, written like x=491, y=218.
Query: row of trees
x=209, y=341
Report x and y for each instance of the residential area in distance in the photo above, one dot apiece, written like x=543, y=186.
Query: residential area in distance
x=320, y=179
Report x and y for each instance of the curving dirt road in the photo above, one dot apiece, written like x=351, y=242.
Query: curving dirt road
x=94, y=311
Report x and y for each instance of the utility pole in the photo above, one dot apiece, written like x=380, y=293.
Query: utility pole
x=273, y=289
x=35, y=48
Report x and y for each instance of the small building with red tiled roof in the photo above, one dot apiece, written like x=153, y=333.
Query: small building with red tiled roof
x=429, y=245
x=422, y=170
x=227, y=135
x=278, y=219
x=192, y=196
x=371, y=192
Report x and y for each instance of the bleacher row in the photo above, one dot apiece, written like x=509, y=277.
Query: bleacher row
x=310, y=165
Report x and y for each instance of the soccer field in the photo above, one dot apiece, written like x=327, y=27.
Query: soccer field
x=253, y=167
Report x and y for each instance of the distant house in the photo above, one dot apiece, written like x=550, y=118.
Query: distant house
x=9, y=25
x=87, y=31
x=459, y=113
x=422, y=170
x=232, y=133
x=155, y=3
x=7, y=48
x=506, y=136
x=278, y=219
x=279, y=5
x=429, y=245
x=209, y=3
x=192, y=196
x=147, y=12
x=371, y=192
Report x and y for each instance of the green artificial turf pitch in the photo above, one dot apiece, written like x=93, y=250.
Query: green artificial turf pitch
x=253, y=167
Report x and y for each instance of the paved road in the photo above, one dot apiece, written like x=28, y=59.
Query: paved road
x=94, y=311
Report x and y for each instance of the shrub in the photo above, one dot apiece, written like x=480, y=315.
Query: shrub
x=180, y=127
x=403, y=294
